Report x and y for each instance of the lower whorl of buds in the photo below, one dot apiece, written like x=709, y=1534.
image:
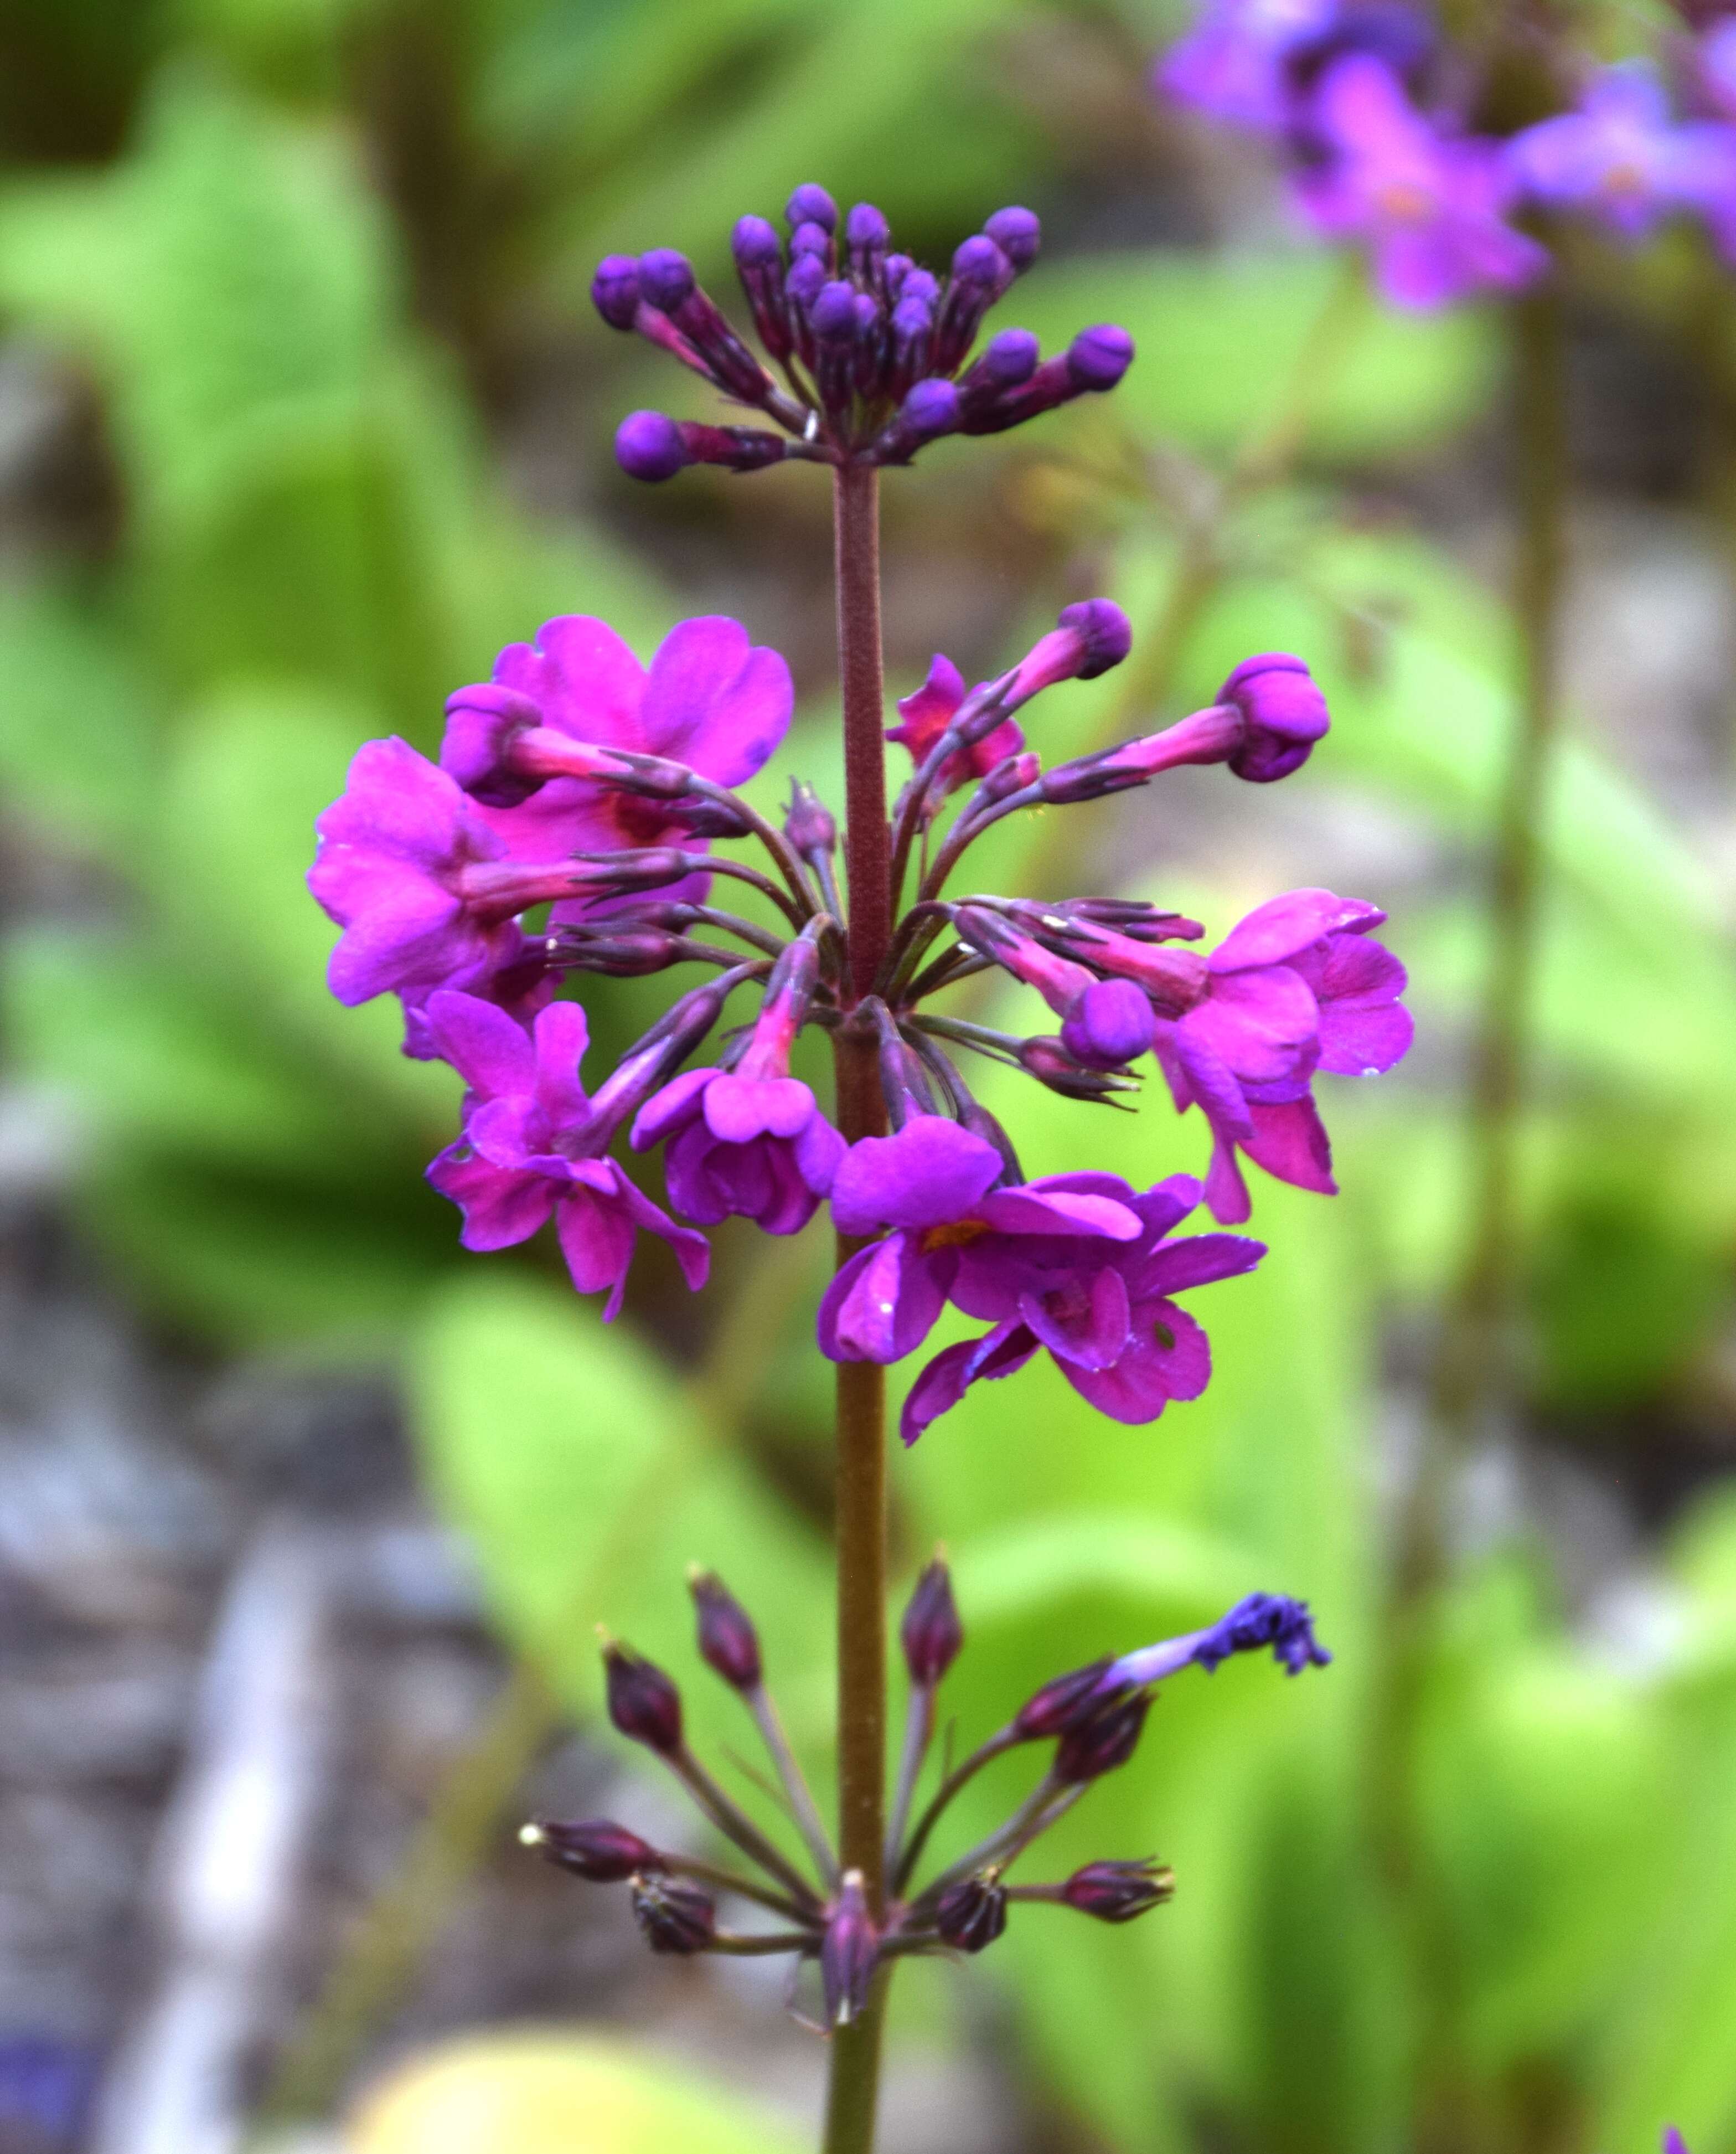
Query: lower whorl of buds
x=675, y=1918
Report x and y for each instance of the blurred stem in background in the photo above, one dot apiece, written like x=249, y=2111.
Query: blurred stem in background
x=1477, y=1370
x=860, y=1517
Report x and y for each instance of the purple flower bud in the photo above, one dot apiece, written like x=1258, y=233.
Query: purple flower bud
x=1088, y=639
x=865, y=232
x=1012, y=774
x=649, y=446
x=809, y=824
x=643, y=1702
x=1106, y=633
x=849, y=1953
x=1050, y=1063
x=675, y=1918
x=1284, y=712
x=806, y=281
x=811, y=239
x=633, y=953
x=1101, y=1744
x=832, y=314
x=1009, y=358
x=595, y=1848
x=754, y=243
x=1117, y=1891
x=973, y=1914
x=1066, y=1703
x=729, y=1644
x=904, y=1082
x=978, y=262
x=895, y=270
x=931, y=1633
x=811, y=205
x=615, y=290
x=921, y=284
x=665, y=279
x=1018, y=233
x=931, y=408
x=1111, y=1024
x=1097, y=358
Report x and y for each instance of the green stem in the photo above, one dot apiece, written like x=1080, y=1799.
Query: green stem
x=860, y=1517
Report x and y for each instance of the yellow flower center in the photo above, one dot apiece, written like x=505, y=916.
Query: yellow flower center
x=956, y=1236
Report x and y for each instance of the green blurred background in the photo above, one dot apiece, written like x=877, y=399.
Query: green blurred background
x=306, y=414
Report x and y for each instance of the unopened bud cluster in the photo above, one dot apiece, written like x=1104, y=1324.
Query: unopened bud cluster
x=871, y=356
x=824, y=1915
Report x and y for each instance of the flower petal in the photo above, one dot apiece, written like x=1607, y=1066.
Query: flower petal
x=714, y=702
x=931, y=1173
x=947, y=1378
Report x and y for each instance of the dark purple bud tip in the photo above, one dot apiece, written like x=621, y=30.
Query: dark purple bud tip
x=1103, y=1743
x=643, y=1702
x=649, y=446
x=1107, y=635
x=675, y=1917
x=931, y=408
x=1117, y=1891
x=605, y=1853
x=1050, y=1063
x=1066, y=1703
x=971, y=1916
x=665, y=279
x=811, y=205
x=866, y=229
x=1018, y=233
x=931, y=1633
x=1097, y=359
x=1010, y=358
x=729, y=1644
x=833, y=313
x=614, y=290
x=978, y=261
x=754, y=243
x=1109, y=1025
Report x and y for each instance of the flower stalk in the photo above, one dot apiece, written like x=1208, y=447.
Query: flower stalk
x=860, y=1465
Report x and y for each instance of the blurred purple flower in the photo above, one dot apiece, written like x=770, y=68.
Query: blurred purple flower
x=1623, y=158
x=1233, y=64
x=1430, y=206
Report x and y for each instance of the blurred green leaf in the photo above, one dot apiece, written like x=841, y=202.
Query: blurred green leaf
x=1220, y=338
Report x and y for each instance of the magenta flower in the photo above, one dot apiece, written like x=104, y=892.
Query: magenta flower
x=1430, y=206
x=1076, y=1263
x=1623, y=159
x=749, y=1140
x=1104, y=1310
x=934, y=1183
x=1295, y=987
x=517, y=742
x=924, y=716
x=420, y=884
x=532, y=1143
